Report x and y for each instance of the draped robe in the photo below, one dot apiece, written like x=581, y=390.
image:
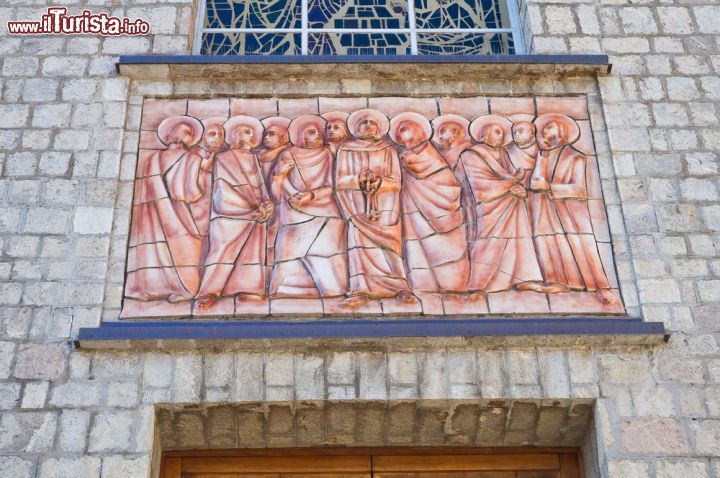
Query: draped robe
x=235, y=263
x=374, y=247
x=452, y=157
x=190, y=180
x=268, y=159
x=311, y=245
x=562, y=228
x=165, y=243
x=501, y=252
x=435, y=238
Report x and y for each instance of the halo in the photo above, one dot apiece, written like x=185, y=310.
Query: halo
x=166, y=127
x=413, y=117
x=573, y=130
x=242, y=120
x=479, y=124
x=379, y=116
x=279, y=121
x=442, y=120
x=298, y=124
x=336, y=116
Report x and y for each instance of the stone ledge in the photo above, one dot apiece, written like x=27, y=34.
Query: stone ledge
x=402, y=67
x=364, y=332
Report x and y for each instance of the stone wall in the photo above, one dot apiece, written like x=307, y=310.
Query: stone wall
x=68, y=137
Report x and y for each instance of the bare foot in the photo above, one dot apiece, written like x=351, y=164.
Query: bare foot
x=534, y=286
x=179, y=296
x=354, y=301
x=249, y=298
x=474, y=296
x=406, y=298
x=605, y=296
x=554, y=288
x=206, y=302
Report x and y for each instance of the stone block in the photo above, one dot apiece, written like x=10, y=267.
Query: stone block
x=653, y=436
x=13, y=116
x=93, y=220
x=372, y=372
x=64, y=66
x=30, y=432
x=341, y=367
x=111, y=432
x=74, y=427
x=624, y=368
x=70, y=467
x=125, y=467
x=696, y=469
x=35, y=394
x=706, y=436
x=40, y=361
x=188, y=378
x=77, y=394
x=16, y=467
x=309, y=377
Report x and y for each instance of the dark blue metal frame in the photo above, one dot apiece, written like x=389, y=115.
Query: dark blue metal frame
x=366, y=328
x=601, y=60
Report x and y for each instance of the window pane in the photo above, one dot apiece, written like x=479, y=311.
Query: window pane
x=253, y=14
x=461, y=14
x=250, y=44
x=357, y=14
x=465, y=43
x=358, y=44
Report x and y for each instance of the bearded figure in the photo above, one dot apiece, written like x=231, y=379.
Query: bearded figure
x=311, y=245
x=190, y=179
x=433, y=225
x=501, y=247
x=562, y=228
x=241, y=207
x=336, y=132
x=368, y=180
x=166, y=243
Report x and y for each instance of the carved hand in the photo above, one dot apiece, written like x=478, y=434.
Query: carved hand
x=301, y=198
x=518, y=190
x=539, y=184
x=284, y=168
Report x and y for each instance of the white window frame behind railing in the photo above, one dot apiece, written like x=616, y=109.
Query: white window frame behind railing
x=412, y=31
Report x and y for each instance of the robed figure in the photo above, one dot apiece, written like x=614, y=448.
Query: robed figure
x=189, y=180
x=501, y=248
x=311, y=245
x=433, y=225
x=275, y=141
x=451, y=135
x=562, y=228
x=523, y=149
x=165, y=245
x=368, y=180
x=235, y=264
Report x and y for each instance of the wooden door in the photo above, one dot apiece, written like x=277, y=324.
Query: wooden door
x=373, y=463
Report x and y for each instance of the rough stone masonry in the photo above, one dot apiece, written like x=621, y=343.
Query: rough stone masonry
x=68, y=140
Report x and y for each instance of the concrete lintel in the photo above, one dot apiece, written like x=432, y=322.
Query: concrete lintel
x=417, y=68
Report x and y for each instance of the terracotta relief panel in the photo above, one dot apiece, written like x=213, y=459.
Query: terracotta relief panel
x=368, y=206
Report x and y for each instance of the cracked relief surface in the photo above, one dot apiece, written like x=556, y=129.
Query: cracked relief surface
x=368, y=206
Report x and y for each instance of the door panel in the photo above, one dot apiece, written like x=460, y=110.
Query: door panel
x=373, y=463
